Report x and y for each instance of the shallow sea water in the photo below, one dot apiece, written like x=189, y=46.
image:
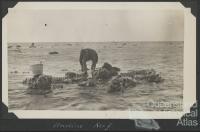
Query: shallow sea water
x=165, y=57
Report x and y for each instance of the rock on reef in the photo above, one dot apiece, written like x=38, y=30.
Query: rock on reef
x=53, y=52
x=132, y=78
x=120, y=83
x=106, y=72
x=39, y=82
x=142, y=76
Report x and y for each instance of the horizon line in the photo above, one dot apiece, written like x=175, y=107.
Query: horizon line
x=94, y=41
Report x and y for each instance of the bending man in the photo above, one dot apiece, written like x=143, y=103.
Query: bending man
x=88, y=55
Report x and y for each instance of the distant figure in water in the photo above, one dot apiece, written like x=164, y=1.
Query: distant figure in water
x=32, y=45
x=88, y=55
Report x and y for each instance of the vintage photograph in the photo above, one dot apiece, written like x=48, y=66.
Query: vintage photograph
x=95, y=60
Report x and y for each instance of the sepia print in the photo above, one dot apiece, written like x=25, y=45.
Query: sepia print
x=96, y=60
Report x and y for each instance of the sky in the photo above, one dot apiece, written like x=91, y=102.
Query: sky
x=94, y=25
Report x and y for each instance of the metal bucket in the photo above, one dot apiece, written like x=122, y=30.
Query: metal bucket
x=37, y=69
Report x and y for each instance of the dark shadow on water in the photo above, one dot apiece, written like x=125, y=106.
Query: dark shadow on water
x=38, y=91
